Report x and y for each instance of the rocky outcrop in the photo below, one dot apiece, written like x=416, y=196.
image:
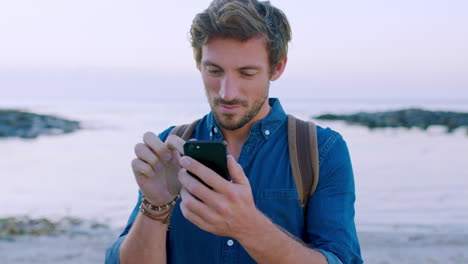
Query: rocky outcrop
x=14, y=123
x=24, y=225
x=406, y=118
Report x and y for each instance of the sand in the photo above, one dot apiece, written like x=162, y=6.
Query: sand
x=378, y=248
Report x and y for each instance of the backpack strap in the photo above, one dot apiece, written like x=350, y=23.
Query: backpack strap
x=184, y=131
x=303, y=154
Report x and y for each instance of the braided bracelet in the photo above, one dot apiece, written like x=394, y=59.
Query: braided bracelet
x=162, y=207
x=164, y=218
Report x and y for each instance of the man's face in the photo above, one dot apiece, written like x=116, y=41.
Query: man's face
x=236, y=76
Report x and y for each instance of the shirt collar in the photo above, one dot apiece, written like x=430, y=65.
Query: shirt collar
x=268, y=126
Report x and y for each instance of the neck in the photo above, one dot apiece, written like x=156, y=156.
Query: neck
x=236, y=138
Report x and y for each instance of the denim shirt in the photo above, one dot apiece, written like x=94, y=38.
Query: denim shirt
x=326, y=225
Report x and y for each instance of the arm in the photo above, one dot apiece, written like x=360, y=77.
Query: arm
x=229, y=210
x=136, y=238
x=268, y=243
x=333, y=230
x=145, y=243
x=155, y=170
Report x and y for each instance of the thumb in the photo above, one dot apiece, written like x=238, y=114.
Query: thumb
x=235, y=171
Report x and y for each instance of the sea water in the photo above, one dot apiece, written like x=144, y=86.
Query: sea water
x=406, y=179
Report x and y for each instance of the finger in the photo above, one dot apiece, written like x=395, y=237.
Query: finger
x=236, y=171
x=175, y=142
x=157, y=146
x=144, y=153
x=140, y=167
x=194, y=186
x=192, y=203
x=204, y=173
x=194, y=210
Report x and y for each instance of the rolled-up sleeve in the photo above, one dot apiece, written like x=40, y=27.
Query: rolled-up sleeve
x=330, y=210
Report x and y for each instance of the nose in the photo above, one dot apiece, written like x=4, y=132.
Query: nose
x=229, y=88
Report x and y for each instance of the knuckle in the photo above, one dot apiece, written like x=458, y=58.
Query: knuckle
x=181, y=174
x=189, y=203
x=195, y=188
x=147, y=170
x=134, y=163
x=233, y=195
x=222, y=210
x=139, y=148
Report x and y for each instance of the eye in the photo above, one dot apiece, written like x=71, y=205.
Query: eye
x=248, y=73
x=213, y=71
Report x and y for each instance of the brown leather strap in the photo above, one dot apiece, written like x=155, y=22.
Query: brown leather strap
x=293, y=157
x=303, y=154
x=315, y=156
x=185, y=131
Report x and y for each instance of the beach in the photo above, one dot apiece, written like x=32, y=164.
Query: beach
x=377, y=248
x=411, y=185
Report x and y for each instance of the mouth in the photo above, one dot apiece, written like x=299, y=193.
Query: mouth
x=229, y=108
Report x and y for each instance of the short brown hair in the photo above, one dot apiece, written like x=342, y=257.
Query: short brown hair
x=242, y=20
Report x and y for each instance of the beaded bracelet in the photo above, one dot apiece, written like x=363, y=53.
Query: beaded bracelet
x=164, y=218
x=162, y=207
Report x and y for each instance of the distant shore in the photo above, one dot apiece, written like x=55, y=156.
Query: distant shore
x=22, y=124
x=71, y=240
x=406, y=118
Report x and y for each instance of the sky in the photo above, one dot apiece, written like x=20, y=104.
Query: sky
x=102, y=49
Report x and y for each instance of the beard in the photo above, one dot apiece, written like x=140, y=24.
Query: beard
x=227, y=121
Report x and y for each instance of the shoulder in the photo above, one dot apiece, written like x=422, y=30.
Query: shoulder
x=333, y=149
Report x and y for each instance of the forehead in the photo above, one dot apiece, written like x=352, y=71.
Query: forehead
x=229, y=52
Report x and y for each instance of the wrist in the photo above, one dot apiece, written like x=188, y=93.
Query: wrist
x=158, y=213
x=159, y=208
x=159, y=201
x=253, y=228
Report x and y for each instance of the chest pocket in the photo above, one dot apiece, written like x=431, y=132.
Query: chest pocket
x=283, y=207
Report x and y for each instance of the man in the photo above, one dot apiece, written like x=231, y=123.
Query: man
x=239, y=47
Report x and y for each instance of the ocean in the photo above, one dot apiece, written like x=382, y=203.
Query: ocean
x=406, y=179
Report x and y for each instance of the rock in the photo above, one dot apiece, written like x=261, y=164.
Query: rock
x=407, y=118
x=14, y=123
x=16, y=226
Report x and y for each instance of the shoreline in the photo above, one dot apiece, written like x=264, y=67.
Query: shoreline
x=86, y=242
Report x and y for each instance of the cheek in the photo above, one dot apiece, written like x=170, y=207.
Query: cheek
x=258, y=87
x=211, y=84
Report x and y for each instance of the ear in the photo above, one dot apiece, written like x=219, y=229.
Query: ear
x=279, y=69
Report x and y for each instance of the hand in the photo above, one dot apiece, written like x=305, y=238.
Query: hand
x=156, y=167
x=228, y=209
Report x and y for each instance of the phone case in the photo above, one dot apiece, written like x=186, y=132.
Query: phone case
x=212, y=154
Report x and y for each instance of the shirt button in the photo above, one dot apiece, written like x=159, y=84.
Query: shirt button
x=267, y=132
x=230, y=242
x=215, y=130
x=211, y=134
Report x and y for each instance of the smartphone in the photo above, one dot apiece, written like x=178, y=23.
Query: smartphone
x=210, y=153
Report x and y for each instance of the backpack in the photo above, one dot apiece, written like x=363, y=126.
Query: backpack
x=303, y=153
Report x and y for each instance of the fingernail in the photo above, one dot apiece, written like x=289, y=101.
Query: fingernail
x=184, y=162
x=167, y=156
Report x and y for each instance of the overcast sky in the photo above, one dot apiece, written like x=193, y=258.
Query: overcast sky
x=360, y=48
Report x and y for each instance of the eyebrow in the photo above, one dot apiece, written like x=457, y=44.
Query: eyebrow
x=248, y=67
